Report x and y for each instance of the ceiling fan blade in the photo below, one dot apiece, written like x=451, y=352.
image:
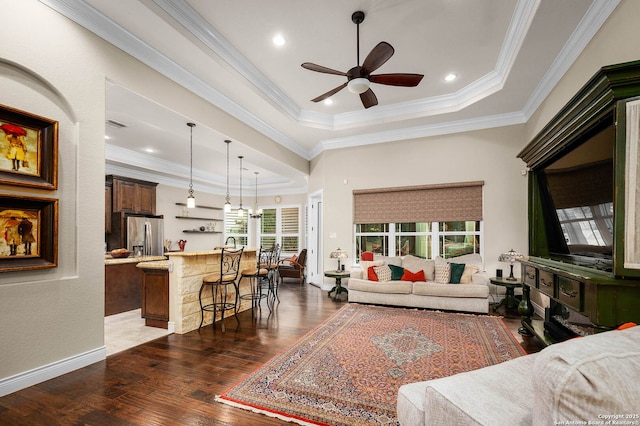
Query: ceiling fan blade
x=320, y=68
x=368, y=99
x=397, y=79
x=377, y=57
x=329, y=93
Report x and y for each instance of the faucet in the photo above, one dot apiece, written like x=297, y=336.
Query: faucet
x=226, y=242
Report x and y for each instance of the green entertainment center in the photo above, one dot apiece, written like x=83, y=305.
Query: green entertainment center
x=583, y=209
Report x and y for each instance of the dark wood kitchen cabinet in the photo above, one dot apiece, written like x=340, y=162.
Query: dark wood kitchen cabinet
x=155, y=297
x=122, y=283
x=132, y=195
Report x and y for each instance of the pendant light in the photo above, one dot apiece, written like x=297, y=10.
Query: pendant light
x=191, y=200
x=240, y=210
x=256, y=213
x=227, y=200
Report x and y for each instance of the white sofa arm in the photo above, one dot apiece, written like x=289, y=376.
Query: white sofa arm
x=480, y=277
x=356, y=273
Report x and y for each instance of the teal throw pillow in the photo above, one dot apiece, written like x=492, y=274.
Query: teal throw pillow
x=456, y=272
x=396, y=272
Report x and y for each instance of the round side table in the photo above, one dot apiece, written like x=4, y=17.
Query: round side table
x=338, y=276
x=509, y=302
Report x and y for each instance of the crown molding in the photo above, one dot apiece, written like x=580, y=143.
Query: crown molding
x=598, y=13
x=450, y=127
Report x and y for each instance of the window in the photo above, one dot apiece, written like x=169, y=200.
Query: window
x=281, y=225
x=423, y=239
x=236, y=227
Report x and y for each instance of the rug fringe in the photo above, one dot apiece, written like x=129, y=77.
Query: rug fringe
x=220, y=399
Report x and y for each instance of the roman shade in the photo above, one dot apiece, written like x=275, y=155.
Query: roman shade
x=448, y=202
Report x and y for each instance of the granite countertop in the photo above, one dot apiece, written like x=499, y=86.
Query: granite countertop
x=108, y=260
x=157, y=264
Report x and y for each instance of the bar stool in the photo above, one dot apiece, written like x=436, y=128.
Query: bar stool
x=256, y=275
x=219, y=283
x=272, y=282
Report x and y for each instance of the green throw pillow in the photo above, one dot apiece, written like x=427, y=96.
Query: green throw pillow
x=396, y=272
x=456, y=272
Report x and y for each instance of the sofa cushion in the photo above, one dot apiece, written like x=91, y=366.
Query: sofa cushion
x=396, y=272
x=443, y=271
x=389, y=287
x=585, y=378
x=456, y=272
x=431, y=288
x=410, y=276
x=414, y=264
x=389, y=260
x=473, y=398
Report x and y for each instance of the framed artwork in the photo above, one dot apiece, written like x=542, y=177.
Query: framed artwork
x=28, y=233
x=28, y=149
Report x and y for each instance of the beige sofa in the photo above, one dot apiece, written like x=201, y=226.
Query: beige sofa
x=472, y=296
x=580, y=381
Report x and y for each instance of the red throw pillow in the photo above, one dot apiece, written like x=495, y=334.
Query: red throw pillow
x=371, y=274
x=293, y=260
x=367, y=256
x=410, y=276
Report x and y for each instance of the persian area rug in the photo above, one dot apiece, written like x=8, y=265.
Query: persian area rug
x=347, y=371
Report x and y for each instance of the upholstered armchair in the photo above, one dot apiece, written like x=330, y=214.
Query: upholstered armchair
x=293, y=267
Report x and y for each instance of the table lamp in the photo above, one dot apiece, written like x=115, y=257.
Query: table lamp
x=338, y=254
x=511, y=256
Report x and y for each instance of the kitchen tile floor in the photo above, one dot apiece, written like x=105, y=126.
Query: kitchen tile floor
x=126, y=330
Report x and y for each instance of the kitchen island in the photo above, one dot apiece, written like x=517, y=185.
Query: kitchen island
x=186, y=271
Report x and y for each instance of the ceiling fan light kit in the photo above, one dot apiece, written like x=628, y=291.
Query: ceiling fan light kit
x=358, y=85
x=359, y=77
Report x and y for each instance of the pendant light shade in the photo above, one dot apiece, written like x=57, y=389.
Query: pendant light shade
x=256, y=213
x=191, y=200
x=227, y=200
x=240, y=210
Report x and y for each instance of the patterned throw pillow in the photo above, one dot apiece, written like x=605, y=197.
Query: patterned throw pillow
x=383, y=272
x=443, y=271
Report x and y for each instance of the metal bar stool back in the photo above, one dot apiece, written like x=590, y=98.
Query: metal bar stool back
x=220, y=282
x=256, y=275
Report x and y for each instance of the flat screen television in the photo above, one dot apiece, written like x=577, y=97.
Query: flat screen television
x=577, y=193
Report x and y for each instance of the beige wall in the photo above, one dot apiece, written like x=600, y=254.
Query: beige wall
x=616, y=42
x=488, y=155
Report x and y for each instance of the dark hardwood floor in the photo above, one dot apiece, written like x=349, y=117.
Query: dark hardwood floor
x=173, y=380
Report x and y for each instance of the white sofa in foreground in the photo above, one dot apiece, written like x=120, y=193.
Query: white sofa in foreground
x=470, y=295
x=580, y=381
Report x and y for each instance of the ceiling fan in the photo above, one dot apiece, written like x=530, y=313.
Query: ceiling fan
x=360, y=77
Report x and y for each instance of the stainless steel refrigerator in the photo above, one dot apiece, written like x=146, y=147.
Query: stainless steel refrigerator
x=145, y=235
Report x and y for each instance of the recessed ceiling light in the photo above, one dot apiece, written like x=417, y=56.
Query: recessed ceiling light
x=149, y=150
x=328, y=101
x=107, y=137
x=450, y=77
x=278, y=40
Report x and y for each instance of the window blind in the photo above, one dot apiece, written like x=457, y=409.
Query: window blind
x=426, y=203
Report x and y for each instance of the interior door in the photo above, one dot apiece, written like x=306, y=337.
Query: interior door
x=314, y=240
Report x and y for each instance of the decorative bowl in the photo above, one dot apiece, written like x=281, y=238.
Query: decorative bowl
x=120, y=253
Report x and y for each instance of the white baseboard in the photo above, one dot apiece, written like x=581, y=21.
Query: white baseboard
x=171, y=327
x=40, y=374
